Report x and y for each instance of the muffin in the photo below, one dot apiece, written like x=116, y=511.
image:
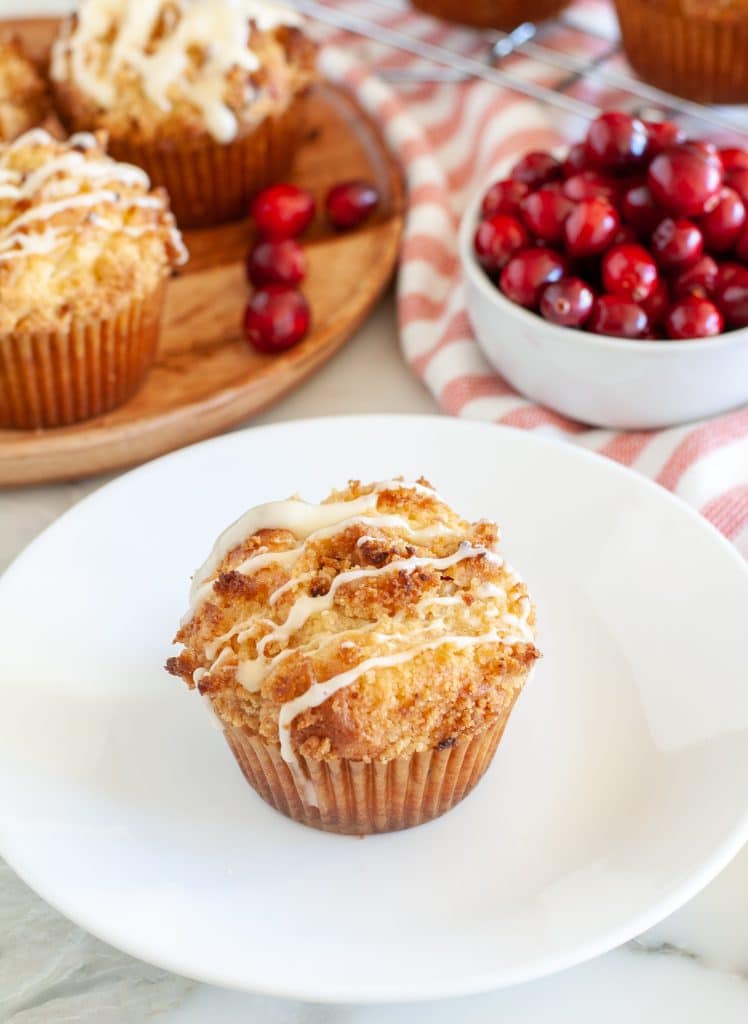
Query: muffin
x=501, y=14
x=24, y=102
x=362, y=656
x=693, y=48
x=85, y=250
x=206, y=95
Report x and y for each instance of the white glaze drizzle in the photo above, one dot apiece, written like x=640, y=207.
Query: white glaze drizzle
x=219, y=28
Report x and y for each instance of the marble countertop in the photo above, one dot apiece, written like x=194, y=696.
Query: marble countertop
x=693, y=967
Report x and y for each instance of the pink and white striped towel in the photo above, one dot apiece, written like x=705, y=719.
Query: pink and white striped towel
x=450, y=137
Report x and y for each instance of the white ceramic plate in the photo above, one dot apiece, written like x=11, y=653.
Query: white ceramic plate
x=618, y=792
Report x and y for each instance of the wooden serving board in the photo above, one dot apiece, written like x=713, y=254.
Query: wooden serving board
x=206, y=378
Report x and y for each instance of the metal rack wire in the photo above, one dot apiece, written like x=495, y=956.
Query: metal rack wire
x=522, y=42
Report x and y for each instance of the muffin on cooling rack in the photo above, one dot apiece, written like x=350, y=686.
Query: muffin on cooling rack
x=501, y=14
x=362, y=655
x=206, y=95
x=24, y=102
x=85, y=250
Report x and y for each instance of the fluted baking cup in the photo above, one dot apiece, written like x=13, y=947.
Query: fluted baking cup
x=54, y=378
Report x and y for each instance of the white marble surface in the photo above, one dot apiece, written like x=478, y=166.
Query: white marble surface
x=691, y=968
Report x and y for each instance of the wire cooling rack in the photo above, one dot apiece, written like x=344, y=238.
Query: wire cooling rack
x=500, y=65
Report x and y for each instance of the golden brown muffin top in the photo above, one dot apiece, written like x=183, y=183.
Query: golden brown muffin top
x=23, y=93
x=79, y=233
x=372, y=626
x=166, y=68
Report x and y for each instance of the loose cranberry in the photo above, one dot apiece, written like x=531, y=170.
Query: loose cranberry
x=536, y=169
x=726, y=272
x=706, y=149
x=567, y=302
x=276, y=318
x=639, y=209
x=663, y=135
x=496, y=241
x=630, y=272
x=722, y=225
x=732, y=299
x=693, y=317
x=618, y=317
x=504, y=197
x=658, y=303
x=699, y=280
x=527, y=273
x=590, y=185
x=677, y=244
x=734, y=159
x=544, y=213
x=590, y=227
x=616, y=142
x=625, y=234
x=283, y=211
x=741, y=249
x=350, y=203
x=738, y=180
x=576, y=160
x=272, y=261
x=683, y=180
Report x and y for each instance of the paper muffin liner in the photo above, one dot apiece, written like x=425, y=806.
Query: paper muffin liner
x=359, y=798
x=501, y=14
x=209, y=182
x=700, y=56
x=57, y=377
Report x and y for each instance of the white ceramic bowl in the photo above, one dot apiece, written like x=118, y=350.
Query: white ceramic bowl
x=609, y=382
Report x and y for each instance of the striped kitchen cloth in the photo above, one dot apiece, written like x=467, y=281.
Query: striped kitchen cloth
x=450, y=137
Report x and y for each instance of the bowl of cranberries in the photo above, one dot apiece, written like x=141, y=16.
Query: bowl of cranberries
x=610, y=281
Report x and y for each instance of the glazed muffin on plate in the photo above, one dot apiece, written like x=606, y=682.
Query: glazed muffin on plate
x=501, y=14
x=24, y=101
x=362, y=656
x=86, y=247
x=208, y=96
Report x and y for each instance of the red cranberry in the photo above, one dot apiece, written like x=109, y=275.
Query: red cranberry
x=590, y=227
x=544, y=213
x=699, y=280
x=527, y=273
x=276, y=317
x=663, y=135
x=722, y=225
x=705, y=149
x=504, y=197
x=576, y=160
x=350, y=203
x=618, y=317
x=616, y=142
x=734, y=159
x=658, y=303
x=630, y=272
x=726, y=272
x=677, y=244
x=283, y=211
x=684, y=180
x=567, y=302
x=273, y=261
x=738, y=180
x=693, y=317
x=625, y=234
x=496, y=241
x=732, y=298
x=639, y=209
x=741, y=249
x=536, y=169
x=590, y=185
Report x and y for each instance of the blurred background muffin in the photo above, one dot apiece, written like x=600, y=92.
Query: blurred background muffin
x=85, y=250
x=24, y=101
x=694, y=48
x=501, y=14
x=205, y=95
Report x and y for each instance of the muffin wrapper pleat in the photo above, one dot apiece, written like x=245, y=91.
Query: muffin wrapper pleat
x=357, y=797
x=501, y=14
x=53, y=378
x=703, y=58
x=209, y=182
